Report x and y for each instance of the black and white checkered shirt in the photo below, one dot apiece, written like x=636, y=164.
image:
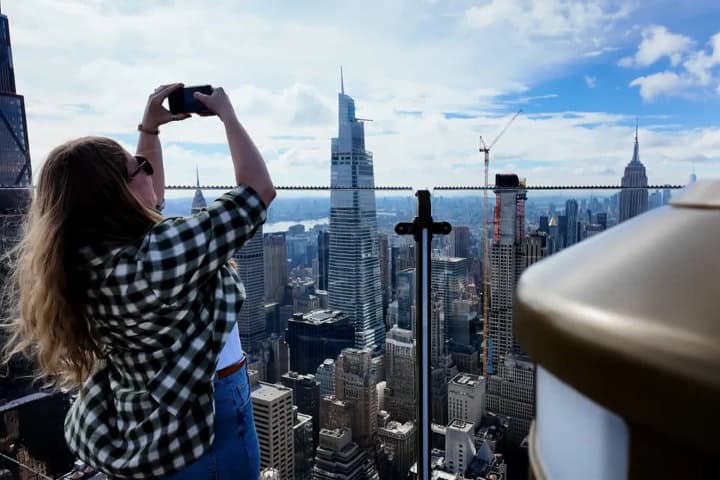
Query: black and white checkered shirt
x=162, y=309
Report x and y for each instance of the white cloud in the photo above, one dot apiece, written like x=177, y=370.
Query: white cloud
x=657, y=42
x=697, y=70
x=548, y=18
x=590, y=81
x=662, y=83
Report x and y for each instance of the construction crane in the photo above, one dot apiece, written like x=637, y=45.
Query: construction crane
x=484, y=148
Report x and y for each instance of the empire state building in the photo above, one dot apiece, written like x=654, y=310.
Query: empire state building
x=634, y=201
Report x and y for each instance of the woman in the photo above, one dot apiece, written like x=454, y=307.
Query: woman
x=140, y=312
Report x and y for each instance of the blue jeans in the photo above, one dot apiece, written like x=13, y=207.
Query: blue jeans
x=235, y=453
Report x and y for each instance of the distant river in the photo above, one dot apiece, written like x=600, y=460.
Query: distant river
x=274, y=227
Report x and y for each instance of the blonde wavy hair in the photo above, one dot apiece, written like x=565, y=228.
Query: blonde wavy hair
x=81, y=199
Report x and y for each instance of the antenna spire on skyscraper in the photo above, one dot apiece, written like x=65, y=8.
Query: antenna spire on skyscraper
x=342, y=83
x=636, y=128
x=197, y=176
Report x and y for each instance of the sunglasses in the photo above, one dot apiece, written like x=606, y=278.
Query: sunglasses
x=144, y=165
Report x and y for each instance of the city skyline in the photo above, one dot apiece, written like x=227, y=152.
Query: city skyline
x=423, y=118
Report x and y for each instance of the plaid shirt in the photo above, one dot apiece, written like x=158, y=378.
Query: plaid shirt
x=162, y=308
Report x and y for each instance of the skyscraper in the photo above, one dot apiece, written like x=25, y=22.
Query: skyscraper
x=316, y=336
x=198, y=204
x=398, y=439
x=512, y=393
x=303, y=426
x=505, y=268
x=356, y=383
x=466, y=398
x=325, y=374
x=251, y=269
x=354, y=273
x=338, y=457
x=273, y=414
x=306, y=396
x=449, y=278
x=15, y=170
x=406, y=299
x=633, y=201
x=459, y=446
x=460, y=241
x=400, y=374
x=571, y=212
x=276, y=271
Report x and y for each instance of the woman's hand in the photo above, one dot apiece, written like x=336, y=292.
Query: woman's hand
x=155, y=114
x=218, y=103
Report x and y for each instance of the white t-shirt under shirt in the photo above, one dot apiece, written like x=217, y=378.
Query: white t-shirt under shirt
x=232, y=351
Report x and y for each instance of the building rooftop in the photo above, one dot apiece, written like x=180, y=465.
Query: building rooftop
x=319, y=316
x=461, y=425
x=397, y=427
x=270, y=392
x=467, y=379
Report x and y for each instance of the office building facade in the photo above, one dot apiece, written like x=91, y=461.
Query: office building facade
x=316, y=336
x=354, y=270
x=274, y=421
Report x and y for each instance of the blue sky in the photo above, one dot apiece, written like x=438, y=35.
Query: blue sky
x=433, y=76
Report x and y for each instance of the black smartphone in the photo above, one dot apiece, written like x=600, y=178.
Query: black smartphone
x=183, y=101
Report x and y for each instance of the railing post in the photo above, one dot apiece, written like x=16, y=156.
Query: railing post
x=422, y=229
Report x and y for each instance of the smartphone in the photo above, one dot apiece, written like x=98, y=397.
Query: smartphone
x=183, y=101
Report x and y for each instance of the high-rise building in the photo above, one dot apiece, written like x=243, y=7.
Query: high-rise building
x=16, y=171
x=384, y=260
x=459, y=446
x=251, y=270
x=276, y=269
x=633, y=201
x=325, y=374
x=323, y=241
x=466, y=398
x=303, y=426
x=316, y=336
x=277, y=358
x=512, y=393
x=335, y=413
x=460, y=241
x=534, y=249
x=406, y=299
x=544, y=224
x=306, y=396
x=355, y=382
x=198, y=204
x=505, y=268
x=398, y=440
x=338, y=457
x=571, y=212
x=449, y=278
x=354, y=273
x=655, y=199
x=400, y=374
x=274, y=419
x=666, y=195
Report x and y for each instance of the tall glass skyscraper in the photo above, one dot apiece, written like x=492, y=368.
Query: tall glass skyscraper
x=354, y=270
x=15, y=171
x=15, y=166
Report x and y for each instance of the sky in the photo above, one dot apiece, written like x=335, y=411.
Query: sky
x=431, y=75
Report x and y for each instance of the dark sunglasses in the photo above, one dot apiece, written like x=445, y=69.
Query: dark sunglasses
x=144, y=165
